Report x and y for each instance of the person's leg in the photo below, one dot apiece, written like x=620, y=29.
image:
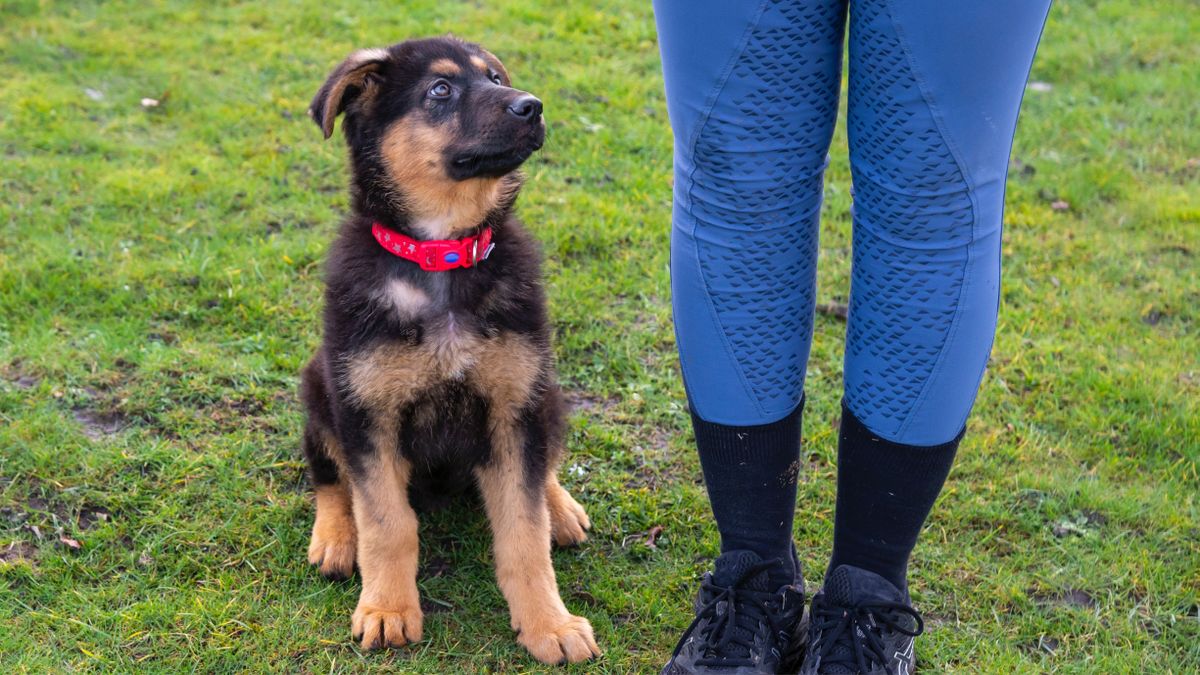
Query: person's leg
x=752, y=92
x=934, y=92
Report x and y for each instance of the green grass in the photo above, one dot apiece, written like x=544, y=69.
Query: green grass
x=160, y=283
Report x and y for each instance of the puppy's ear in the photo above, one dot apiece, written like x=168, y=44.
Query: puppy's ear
x=345, y=83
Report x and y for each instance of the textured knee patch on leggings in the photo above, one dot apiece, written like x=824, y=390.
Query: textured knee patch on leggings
x=755, y=194
x=913, y=225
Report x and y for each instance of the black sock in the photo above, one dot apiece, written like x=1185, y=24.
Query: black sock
x=750, y=473
x=884, y=493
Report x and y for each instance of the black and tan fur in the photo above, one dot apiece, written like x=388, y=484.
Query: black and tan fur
x=427, y=382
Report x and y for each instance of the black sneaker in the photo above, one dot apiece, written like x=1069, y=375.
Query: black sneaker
x=861, y=624
x=741, y=626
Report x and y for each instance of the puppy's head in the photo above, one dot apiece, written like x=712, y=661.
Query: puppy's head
x=433, y=125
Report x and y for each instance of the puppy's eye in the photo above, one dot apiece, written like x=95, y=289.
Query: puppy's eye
x=496, y=78
x=440, y=89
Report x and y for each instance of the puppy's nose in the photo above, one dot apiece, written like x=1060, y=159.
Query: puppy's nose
x=526, y=107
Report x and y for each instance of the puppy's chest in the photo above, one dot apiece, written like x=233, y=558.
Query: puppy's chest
x=502, y=366
x=454, y=350
x=451, y=343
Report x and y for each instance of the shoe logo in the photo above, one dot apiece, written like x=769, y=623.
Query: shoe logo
x=904, y=658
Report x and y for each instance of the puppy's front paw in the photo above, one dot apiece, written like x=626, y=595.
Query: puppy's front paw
x=378, y=628
x=568, y=520
x=571, y=640
x=333, y=550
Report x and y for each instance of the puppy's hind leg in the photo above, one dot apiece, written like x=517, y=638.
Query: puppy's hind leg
x=333, y=544
x=332, y=548
x=568, y=520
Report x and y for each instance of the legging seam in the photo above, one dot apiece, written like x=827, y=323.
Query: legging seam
x=930, y=104
x=719, y=89
x=1000, y=226
x=691, y=184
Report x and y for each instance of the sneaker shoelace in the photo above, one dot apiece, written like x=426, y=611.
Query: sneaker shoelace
x=857, y=631
x=736, y=615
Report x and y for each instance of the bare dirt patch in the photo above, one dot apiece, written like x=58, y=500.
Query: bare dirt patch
x=578, y=400
x=98, y=425
x=90, y=515
x=16, y=552
x=18, y=377
x=1072, y=597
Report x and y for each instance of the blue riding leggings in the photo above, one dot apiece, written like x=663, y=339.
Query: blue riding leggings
x=752, y=91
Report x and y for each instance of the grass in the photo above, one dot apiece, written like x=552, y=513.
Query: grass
x=160, y=282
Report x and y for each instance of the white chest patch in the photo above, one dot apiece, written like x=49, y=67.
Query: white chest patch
x=454, y=349
x=406, y=299
x=433, y=228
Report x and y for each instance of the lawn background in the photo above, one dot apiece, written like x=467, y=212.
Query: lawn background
x=160, y=283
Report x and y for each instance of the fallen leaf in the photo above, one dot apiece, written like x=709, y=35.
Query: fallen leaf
x=649, y=536
x=652, y=535
x=71, y=543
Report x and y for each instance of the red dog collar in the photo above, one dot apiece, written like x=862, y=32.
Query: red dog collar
x=436, y=255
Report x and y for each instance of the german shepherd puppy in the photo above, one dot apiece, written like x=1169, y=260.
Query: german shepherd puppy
x=436, y=370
